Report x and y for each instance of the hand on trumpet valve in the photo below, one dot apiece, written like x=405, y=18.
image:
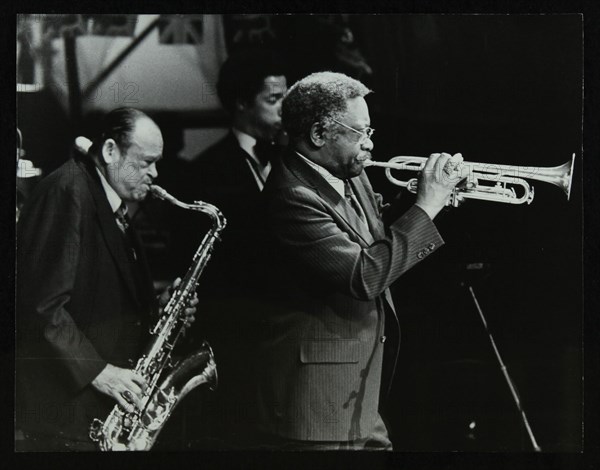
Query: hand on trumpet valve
x=439, y=177
x=453, y=166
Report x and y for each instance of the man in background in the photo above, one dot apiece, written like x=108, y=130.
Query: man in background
x=231, y=175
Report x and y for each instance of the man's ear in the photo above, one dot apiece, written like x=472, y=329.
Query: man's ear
x=316, y=134
x=110, y=151
x=241, y=105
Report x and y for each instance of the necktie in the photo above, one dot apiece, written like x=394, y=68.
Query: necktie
x=122, y=218
x=123, y=222
x=265, y=151
x=353, y=201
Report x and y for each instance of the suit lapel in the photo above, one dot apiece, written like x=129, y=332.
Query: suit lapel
x=339, y=204
x=367, y=202
x=110, y=230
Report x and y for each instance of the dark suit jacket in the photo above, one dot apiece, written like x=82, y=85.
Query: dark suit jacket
x=323, y=343
x=221, y=176
x=81, y=302
x=234, y=280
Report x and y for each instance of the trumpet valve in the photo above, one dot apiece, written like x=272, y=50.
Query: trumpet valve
x=530, y=195
x=455, y=199
x=412, y=185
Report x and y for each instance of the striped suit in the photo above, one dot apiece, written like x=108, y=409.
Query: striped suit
x=322, y=341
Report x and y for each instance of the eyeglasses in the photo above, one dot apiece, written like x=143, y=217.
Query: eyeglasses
x=365, y=134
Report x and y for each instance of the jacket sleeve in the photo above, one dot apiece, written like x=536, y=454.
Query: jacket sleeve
x=48, y=252
x=303, y=225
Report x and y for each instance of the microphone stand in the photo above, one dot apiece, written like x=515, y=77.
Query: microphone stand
x=505, y=372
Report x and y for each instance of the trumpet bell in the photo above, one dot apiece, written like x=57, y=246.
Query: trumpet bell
x=561, y=175
x=565, y=176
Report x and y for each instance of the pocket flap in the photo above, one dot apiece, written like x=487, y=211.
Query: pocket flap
x=330, y=351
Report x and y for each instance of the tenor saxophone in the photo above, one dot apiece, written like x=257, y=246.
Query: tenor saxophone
x=167, y=383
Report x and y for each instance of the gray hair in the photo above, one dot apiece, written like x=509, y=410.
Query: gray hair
x=320, y=97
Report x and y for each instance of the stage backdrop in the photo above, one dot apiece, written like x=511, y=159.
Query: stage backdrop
x=175, y=67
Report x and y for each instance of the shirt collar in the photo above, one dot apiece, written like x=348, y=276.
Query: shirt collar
x=113, y=198
x=247, y=142
x=334, y=181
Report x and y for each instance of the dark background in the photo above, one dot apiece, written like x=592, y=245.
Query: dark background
x=500, y=89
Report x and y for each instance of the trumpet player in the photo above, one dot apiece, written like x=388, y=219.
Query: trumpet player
x=84, y=292
x=331, y=341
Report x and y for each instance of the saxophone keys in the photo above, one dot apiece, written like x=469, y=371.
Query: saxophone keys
x=96, y=430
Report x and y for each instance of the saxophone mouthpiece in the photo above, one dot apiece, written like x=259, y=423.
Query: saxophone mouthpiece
x=159, y=192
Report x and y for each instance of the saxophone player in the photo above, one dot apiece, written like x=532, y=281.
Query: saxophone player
x=84, y=292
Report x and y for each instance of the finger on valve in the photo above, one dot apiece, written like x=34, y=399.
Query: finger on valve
x=453, y=164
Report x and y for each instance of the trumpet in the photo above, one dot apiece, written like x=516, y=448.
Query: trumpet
x=485, y=181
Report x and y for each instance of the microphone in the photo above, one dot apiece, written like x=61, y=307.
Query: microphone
x=473, y=272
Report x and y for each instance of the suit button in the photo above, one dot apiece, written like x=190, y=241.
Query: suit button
x=138, y=323
x=382, y=339
x=431, y=246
